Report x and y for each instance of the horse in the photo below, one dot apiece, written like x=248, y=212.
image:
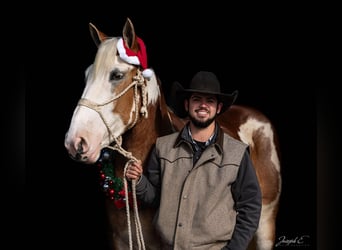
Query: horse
x=119, y=116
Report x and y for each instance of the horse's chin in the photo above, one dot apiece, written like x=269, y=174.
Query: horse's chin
x=86, y=158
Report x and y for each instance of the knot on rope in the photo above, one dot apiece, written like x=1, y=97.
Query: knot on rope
x=142, y=84
x=143, y=112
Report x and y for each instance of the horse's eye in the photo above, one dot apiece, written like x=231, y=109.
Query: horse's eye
x=115, y=76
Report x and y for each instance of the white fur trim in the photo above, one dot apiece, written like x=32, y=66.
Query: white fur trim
x=148, y=73
x=122, y=53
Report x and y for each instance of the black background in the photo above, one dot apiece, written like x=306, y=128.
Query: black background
x=266, y=55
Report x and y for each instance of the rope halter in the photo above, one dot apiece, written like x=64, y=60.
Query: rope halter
x=138, y=81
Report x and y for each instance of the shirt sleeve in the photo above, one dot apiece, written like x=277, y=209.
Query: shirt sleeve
x=248, y=200
x=148, y=186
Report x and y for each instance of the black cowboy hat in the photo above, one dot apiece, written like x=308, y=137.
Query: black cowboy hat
x=202, y=82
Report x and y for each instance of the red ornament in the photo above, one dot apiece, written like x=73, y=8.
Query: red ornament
x=119, y=203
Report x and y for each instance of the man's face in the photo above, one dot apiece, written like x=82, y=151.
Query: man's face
x=202, y=109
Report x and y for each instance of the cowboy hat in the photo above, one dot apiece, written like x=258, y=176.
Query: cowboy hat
x=203, y=82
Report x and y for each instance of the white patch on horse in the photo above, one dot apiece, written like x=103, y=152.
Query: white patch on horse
x=246, y=131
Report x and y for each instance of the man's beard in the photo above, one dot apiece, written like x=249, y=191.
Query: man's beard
x=200, y=124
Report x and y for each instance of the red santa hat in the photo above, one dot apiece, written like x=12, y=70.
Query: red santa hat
x=136, y=58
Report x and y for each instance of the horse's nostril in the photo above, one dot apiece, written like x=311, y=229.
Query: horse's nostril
x=79, y=148
x=78, y=157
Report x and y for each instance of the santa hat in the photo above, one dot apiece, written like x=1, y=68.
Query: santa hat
x=136, y=58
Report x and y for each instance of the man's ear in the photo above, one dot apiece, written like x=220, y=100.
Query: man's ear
x=186, y=105
x=219, y=107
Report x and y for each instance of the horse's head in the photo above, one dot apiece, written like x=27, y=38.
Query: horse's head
x=115, y=95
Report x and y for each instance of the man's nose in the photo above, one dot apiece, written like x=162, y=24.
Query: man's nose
x=203, y=104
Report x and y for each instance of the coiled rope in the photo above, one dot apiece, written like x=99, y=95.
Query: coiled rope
x=138, y=228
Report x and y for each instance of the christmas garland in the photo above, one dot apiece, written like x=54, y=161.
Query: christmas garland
x=113, y=186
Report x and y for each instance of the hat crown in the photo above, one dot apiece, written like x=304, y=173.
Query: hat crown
x=205, y=81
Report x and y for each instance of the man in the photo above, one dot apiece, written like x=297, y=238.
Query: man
x=201, y=179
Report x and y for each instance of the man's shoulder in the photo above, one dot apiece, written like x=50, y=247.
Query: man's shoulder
x=167, y=142
x=231, y=140
x=235, y=148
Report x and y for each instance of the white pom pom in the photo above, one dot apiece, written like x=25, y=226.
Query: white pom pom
x=147, y=73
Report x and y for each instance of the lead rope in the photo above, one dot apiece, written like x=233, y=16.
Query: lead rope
x=131, y=158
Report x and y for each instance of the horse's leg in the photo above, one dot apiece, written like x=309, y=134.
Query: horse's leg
x=265, y=235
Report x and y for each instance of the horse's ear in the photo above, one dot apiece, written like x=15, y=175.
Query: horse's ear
x=128, y=34
x=96, y=35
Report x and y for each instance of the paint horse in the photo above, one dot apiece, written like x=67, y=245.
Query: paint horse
x=119, y=116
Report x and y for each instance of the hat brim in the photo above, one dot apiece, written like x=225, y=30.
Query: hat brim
x=179, y=93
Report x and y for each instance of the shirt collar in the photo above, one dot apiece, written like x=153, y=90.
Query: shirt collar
x=216, y=138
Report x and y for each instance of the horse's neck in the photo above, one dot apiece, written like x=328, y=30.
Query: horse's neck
x=140, y=139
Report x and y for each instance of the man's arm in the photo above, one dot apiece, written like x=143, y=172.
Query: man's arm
x=148, y=187
x=248, y=201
